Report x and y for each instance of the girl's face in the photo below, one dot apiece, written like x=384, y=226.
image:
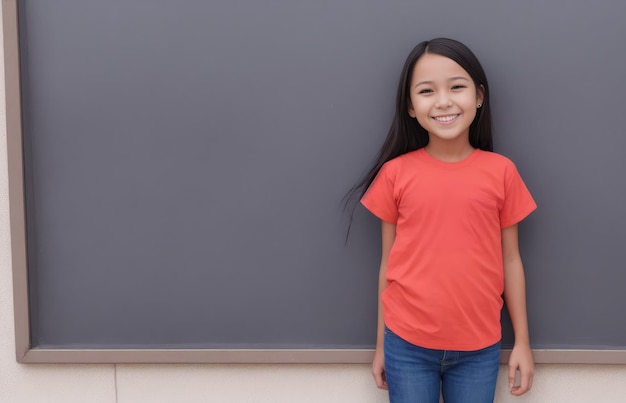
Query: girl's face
x=443, y=98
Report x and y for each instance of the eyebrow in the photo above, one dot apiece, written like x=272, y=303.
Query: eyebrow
x=450, y=79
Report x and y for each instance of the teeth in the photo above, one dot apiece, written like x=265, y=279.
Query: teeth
x=445, y=118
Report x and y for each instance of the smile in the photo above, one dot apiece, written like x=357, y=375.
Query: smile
x=445, y=119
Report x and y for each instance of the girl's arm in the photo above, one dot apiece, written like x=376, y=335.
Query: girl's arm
x=515, y=297
x=378, y=365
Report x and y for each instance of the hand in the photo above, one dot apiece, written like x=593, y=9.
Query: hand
x=521, y=360
x=378, y=369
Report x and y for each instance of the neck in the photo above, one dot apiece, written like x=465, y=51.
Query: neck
x=449, y=151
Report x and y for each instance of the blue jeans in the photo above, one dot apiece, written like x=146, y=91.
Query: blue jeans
x=416, y=375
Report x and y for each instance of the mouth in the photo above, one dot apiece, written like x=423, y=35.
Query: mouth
x=446, y=118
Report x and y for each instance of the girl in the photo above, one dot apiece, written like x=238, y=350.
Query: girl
x=449, y=209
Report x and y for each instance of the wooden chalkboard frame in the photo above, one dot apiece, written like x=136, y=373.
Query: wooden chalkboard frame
x=26, y=353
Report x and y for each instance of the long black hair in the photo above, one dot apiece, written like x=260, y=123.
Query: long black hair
x=406, y=134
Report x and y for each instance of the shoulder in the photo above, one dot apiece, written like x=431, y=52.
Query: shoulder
x=401, y=167
x=494, y=157
x=401, y=161
x=495, y=160
x=503, y=167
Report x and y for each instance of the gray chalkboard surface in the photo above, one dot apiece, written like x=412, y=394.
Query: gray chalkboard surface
x=184, y=164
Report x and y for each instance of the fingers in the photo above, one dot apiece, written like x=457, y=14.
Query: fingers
x=526, y=382
x=512, y=370
x=521, y=361
x=381, y=381
x=378, y=369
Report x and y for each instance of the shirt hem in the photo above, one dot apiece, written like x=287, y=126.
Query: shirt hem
x=447, y=347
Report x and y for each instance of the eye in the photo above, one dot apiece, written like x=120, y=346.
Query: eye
x=425, y=91
x=458, y=87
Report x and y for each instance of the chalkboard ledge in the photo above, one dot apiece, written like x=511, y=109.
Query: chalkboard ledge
x=280, y=356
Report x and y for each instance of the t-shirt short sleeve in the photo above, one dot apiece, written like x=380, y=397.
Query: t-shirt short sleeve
x=380, y=197
x=518, y=202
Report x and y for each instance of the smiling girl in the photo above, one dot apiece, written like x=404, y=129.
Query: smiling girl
x=449, y=209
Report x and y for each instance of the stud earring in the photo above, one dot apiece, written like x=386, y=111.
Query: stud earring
x=479, y=105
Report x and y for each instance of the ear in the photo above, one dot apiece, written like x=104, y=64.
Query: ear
x=411, y=110
x=480, y=95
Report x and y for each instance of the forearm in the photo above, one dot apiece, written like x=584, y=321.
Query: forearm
x=378, y=364
x=515, y=299
x=380, y=332
x=388, y=238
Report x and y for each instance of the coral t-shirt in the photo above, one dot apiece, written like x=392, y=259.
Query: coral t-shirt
x=445, y=276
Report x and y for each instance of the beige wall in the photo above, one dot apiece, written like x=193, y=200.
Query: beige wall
x=35, y=383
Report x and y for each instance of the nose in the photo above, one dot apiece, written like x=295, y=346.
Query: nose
x=443, y=101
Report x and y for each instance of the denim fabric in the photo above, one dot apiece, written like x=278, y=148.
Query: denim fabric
x=419, y=375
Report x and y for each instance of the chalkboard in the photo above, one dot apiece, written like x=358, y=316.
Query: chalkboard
x=177, y=171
